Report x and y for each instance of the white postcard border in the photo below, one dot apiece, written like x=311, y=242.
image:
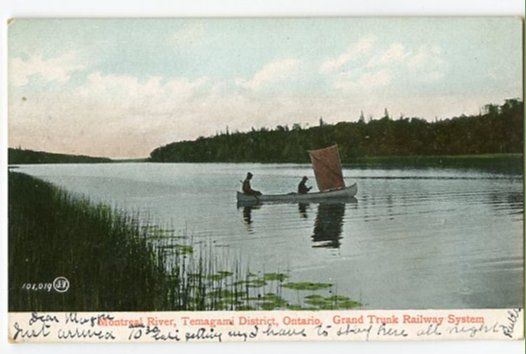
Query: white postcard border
x=264, y=326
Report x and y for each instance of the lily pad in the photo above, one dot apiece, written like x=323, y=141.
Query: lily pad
x=251, y=283
x=275, y=277
x=307, y=286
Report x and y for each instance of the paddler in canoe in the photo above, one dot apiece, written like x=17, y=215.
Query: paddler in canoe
x=302, y=187
x=329, y=178
x=247, y=188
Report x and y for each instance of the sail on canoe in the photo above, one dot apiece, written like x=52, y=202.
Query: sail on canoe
x=327, y=168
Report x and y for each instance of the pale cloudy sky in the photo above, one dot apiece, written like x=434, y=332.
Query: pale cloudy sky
x=121, y=88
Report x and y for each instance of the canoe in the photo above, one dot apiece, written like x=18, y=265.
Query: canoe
x=338, y=194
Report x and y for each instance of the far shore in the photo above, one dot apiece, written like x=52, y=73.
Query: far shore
x=363, y=160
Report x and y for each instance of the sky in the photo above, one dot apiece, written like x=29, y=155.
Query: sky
x=122, y=87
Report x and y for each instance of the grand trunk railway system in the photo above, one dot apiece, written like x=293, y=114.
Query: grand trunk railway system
x=291, y=320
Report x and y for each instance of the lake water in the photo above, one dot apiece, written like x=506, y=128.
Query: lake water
x=413, y=238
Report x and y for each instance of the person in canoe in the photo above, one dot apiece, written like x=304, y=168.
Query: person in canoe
x=247, y=188
x=302, y=187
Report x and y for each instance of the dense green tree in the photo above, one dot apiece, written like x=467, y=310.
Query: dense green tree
x=498, y=129
x=21, y=156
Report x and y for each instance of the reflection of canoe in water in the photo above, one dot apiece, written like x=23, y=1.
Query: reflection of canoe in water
x=338, y=194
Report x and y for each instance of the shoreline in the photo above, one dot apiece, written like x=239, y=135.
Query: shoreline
x=363, y=159
x=113, y=262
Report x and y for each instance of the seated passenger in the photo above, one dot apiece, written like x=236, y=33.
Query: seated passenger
x=247, y=189
x=302, y=188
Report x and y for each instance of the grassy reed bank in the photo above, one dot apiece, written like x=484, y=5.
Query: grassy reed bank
x=115, y=263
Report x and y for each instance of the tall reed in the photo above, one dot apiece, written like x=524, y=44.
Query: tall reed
x=114, y=262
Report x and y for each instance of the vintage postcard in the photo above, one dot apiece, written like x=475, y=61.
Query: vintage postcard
x=265, y=179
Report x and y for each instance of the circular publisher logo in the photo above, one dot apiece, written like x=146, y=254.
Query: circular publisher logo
x=61, y=284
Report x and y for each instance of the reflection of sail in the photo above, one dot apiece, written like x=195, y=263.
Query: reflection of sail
x=327, y=168
x=328, y=225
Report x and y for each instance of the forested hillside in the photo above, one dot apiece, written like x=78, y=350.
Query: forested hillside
x=497, y=129
x=21, y=156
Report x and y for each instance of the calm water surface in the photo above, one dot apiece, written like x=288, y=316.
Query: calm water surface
x=413, y=238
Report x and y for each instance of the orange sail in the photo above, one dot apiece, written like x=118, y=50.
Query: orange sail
x=327, y=168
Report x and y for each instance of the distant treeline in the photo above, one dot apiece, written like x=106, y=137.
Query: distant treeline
x=496, y=130
x=21, y=156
